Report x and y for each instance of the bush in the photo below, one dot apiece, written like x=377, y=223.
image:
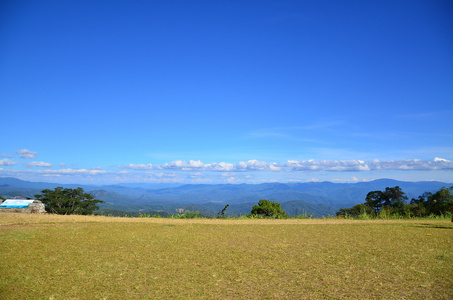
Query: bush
x=269, y=209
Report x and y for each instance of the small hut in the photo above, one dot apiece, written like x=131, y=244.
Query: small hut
x=23, y=206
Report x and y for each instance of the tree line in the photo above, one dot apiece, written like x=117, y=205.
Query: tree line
x=393, y=202
x=66, y=201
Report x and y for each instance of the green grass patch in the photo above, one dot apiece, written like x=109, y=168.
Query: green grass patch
x=87, y=257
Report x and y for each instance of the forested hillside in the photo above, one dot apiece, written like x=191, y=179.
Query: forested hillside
x=316, y=198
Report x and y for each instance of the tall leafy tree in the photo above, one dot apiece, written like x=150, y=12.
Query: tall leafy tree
x=395, y=198
x=440, y=202
x=268, y=208
x=392, y=197
x=64, y=201
x=374, y=200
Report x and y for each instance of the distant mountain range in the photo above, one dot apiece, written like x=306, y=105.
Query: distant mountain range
x=317, y=198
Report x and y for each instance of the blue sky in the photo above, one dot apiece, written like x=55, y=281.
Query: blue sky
x=226, y=91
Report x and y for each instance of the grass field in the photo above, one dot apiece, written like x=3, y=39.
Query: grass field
x=88, y=257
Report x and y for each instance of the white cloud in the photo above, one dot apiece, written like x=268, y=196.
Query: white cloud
x=414, y=164
x=255, y=165
x=233, y=180
x=7, y=162
x=40, y=164
x=328, y=165
x=27, y=154
x=353, y=179
x=6, y=155
x=77, y=171
x=182, y=165
x=138, y=167
x=437, y=159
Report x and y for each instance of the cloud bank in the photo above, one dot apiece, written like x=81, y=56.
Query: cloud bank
x=253, y=171
x=300, y=166
x=374, y=165
x=192, y=165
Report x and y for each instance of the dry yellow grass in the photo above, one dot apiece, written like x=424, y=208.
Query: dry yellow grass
x=86, y=257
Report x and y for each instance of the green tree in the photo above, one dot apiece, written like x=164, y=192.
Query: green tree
x=374, y=200
x=441, y=201
x=395, y=198
x=393, y=201
x=392, y=198
x=418, y=207
x=64, y=201
x=269, y=209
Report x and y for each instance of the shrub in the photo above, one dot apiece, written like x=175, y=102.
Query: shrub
x=269, y=209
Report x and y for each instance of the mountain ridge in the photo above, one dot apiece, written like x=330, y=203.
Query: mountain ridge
x=320, y=198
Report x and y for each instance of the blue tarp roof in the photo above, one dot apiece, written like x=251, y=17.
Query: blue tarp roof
x=13, y=203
